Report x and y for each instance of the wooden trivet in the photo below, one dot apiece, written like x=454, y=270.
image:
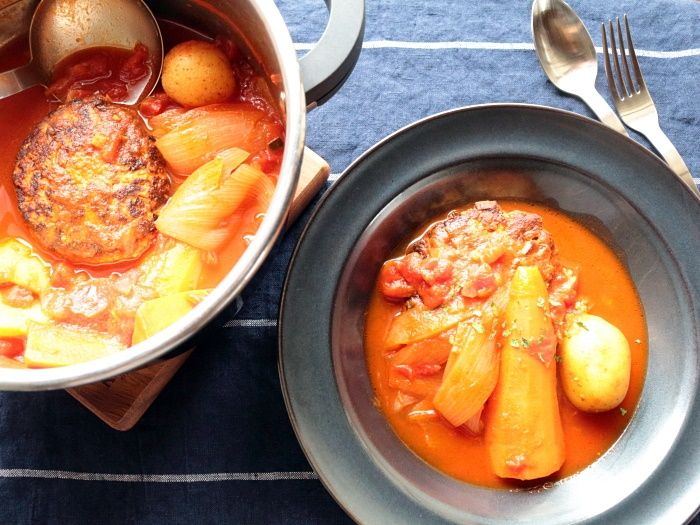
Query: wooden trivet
x=121, y=401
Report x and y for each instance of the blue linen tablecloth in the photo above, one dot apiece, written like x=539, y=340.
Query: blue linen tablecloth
x=217, y=445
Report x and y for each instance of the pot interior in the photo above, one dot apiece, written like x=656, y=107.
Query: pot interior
x=259, y=31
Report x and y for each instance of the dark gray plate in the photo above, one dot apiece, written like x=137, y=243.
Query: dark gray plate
x=609, y=183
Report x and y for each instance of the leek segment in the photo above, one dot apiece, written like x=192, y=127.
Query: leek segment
x=14, y=321
x=156, y=314
x=62, y=345
x=175, y=269
x=21, y=266
x=198, y=212
x=470, y=375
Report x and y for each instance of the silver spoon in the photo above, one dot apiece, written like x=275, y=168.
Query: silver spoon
x=566, y=52
x=59, y=28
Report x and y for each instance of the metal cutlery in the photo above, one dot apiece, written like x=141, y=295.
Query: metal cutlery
x=567, y=55
x=633, y=101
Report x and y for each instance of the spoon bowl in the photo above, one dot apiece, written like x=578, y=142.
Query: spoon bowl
x=60, y=28
x=567, y=55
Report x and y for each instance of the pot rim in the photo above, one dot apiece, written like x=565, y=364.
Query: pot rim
x=235, y=280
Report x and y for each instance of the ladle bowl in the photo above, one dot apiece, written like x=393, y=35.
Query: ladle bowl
x=60, y=28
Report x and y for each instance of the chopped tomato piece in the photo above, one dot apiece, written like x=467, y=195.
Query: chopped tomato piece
x=11, y=347
x=155, y=105
x=136, y=66
x=392, y=282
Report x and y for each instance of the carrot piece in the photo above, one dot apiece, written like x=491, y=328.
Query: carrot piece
x=523, y=433
x=470, y=375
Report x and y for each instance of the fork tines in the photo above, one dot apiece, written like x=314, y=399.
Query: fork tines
x=626, y=86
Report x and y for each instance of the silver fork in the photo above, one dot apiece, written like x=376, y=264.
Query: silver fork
x=634, y=103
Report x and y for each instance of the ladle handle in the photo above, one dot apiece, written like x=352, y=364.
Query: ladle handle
x=18, y=79
x=603, y=111
x=326, y=67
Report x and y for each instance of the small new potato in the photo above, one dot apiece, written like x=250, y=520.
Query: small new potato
x=595, y=364
x=197, y=73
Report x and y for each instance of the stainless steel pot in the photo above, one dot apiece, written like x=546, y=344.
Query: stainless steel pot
x=258, y=27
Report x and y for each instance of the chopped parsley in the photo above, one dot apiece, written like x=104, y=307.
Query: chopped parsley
x=582, y=326
x=557, y=358
x=515, y=343
x=623, y=411
x=525, y=342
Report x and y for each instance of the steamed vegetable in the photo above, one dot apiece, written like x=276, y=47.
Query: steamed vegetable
x=8, y=362
x=415, y=324
x=524, y=434
x=194, y=137
x=595, y=363
x=198, y=211
x=176, y=267
x=426, y=353
x=63, y=344
x=21, y=266
x=470, y=375
x=14, y=321
x=156, y=314
x=196, y=73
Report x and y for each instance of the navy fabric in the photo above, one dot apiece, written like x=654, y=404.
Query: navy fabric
x=217, y=445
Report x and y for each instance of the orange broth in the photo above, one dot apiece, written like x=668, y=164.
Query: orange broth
x=21, y=112
x=605, y=282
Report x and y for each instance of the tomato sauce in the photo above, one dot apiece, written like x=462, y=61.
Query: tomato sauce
x=114, y=72
x=110, y=71
x=605, y=283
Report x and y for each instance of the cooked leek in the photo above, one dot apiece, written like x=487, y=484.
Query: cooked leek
x=414, y=324
x=174, y=267
x=156, y=314
x=8, y=362
x=200, y=134
x=21, y=266
x=14, y=322
x=198, y=211
x=435, y=350
x=61, y=345
x=471, y=375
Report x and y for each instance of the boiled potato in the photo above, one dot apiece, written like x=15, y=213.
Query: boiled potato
x=595, y=364
x=196, y=73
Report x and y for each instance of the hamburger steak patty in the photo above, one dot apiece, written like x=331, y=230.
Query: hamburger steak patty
x=89, y=182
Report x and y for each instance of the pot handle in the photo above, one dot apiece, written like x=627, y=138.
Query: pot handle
x=326, y=67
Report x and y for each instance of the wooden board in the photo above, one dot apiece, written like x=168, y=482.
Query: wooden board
x=120, y=402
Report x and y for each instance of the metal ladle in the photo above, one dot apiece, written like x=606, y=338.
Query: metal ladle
x=60, y=28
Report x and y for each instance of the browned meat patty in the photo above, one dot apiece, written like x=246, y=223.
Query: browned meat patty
x=89, y=182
